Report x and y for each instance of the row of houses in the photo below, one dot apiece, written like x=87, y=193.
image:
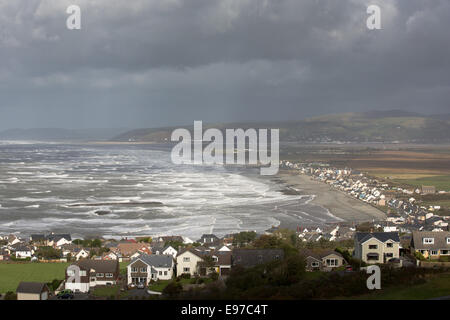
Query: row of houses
x=83, y=275
x=409, y=213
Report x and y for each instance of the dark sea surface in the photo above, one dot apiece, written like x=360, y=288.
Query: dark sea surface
x=113, y=190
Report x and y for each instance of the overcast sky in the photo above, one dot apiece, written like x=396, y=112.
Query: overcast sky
x=168, y=62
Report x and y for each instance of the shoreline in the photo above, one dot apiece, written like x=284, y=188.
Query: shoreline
x=337, y=203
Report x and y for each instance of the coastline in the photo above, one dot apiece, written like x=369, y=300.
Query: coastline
x=338, y=203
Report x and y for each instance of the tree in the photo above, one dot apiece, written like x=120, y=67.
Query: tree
x=173, y=289
x=243, y=238
x=267, y=242
x=48, y=253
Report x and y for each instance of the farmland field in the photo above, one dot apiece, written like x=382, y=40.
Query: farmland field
x=13, y=273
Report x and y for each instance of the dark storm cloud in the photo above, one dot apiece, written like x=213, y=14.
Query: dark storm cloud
x=149, y=63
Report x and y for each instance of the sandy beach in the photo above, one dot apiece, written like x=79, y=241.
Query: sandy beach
x=338, y=203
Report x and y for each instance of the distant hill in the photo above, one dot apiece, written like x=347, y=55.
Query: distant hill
x=57, y=134
x=374, y=126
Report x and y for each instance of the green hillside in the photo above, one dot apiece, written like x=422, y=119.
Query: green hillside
x=385, y=126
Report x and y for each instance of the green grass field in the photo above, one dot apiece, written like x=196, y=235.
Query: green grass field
x=440, y=182
x=438, y=286
x=11, y=274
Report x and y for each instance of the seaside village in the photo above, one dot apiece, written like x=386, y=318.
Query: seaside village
x=407, y=208
x=412, y=236
x=144, y=267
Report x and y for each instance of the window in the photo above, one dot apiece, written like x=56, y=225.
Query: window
x=332, y=262
x=144, y=269
x=389, y=245
x=389, y=255
x=133, y=269
x=434, y=252
x=186, y=269
x=92, y=279
x=314, y=264
x=100, y=275
x=428, y=240
x=448, y=240
x=444, y=252
x=165, y=273
x=109, y=275
x=373, y=246
x=83, y=273
x=160, y=273
x=186, y=259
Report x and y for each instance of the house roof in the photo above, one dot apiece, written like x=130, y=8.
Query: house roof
x=319, y=254
x=21, y=247
x=156, y=260
x=129, y=248
x=381, y=236
x=57, y=237
x=31, y=287
x=252, y=257
x=108, y=266
x=37, y=237
x=198, y=253
x=440, y=239
x=224, y=258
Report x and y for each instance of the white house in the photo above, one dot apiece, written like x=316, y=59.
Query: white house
x=12, y=240
x=146, y=268
x=58, y=240
x=86, y=274
x=23, y=252
x=187, y=262
x=170, y=251
x=82, y=254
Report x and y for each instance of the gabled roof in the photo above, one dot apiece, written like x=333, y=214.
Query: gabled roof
x=31, y=287
x=105, y=266
x=440, y=239
x=362, y=237
x=200, y=254
x=156, y=260
x=37, y=237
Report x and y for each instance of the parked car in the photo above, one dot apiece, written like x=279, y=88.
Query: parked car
x=65, y=294
x=140, y=285
x=348, y=268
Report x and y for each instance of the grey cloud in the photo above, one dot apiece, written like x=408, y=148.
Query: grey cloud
x=148, y=63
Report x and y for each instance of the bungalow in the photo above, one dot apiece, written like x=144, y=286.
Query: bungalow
x=32, y=291
x=431, y=244
x=112, y=256
x=208, y=239
x=13, y=239
x=23, y=252
x=38, y=238
x=128, y=249
x=58, y=240
x=91, y=273
x=169, y=250
x=377, y=247
x=81, y=254
x=323, y=261
x=146, y=268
